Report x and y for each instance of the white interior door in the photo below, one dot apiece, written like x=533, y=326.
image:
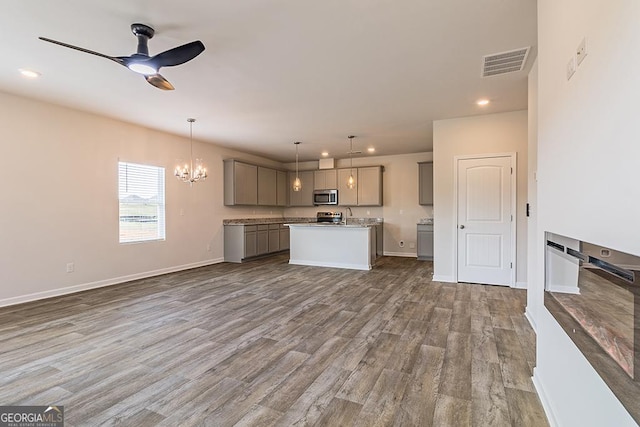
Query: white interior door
x=485, y=196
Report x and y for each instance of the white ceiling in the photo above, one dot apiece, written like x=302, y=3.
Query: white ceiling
x=278, y=71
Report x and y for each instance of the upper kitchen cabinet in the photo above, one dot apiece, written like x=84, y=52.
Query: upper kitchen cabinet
x=369, y=186
x=425, y=183
x=347, y=196
x=304, y=197
x=325, y=179
x=240, y=183
x=282, y=192
x=267, y=188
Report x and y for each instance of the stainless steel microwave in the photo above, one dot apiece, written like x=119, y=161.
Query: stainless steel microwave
x=325, y=197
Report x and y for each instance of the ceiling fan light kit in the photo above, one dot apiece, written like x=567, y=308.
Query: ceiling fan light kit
x=140, y=62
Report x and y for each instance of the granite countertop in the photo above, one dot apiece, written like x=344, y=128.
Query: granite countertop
x=297, y=220
x=260, y=221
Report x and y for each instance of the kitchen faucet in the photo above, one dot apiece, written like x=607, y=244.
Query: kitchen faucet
x=350, y=214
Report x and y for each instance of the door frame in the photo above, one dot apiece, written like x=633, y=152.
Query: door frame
x=514, y=195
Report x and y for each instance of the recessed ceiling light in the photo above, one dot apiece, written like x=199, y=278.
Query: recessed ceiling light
x=371, y=150
x=325, y=154
x=482, y=102
x=30, y=74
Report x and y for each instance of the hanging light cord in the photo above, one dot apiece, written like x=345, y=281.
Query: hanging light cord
x=191, y=139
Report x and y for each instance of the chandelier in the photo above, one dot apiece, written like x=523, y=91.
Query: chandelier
x=187, y=173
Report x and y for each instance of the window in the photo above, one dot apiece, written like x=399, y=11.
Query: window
x=141, y=197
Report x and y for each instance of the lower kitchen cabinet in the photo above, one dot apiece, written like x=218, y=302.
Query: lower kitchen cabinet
x=284, y=237
x=425, y=242
x=274, y=237
x=247, y=241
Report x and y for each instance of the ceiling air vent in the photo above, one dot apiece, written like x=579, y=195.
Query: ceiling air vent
x=505, y=62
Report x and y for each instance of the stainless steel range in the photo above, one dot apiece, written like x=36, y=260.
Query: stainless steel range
x=329, y=217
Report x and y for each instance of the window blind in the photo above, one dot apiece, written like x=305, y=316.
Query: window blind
x=141, y=201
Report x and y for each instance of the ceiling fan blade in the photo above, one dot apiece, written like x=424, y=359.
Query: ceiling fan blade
x=81, y=49
x=160, y=82
x=177, y=55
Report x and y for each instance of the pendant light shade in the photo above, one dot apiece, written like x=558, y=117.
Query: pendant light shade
x=297, y=184
x=351, y=182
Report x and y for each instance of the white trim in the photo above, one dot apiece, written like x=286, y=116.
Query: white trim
x=330, y=264
x=401, y=254
x=574, y=290
x=103, y=283
x=446, y=279
x=520, y=285
x=531, y=319
x=514, y=196
x=537, y=383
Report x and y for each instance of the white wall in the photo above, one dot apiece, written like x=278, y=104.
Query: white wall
x=491, y=133
x=60, y=201
x=534, y=300
x=588, y=175
x=401, y=211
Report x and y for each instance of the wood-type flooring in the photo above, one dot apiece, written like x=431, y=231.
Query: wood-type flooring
x=266, y=343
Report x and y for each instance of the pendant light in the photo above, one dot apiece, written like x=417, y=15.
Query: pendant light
x=297, y=184
x=187, y=173
x=351, y=182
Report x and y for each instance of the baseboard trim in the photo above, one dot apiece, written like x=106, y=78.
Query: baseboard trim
x=530, y=318
x=565, y=289
x=520, y=285
x=446, y=279
x=537, y=383
x=103, y=283
x=329, y=264
x=401, y=254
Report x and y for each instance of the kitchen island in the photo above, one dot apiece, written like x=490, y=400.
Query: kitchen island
x=350, y=246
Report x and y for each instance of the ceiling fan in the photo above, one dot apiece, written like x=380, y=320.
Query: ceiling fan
x=141, y=62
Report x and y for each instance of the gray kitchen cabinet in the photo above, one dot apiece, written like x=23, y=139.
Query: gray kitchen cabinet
x=369, y=186
x=425, y=242
x=246, y=241
x=425, y=183
x=304, y=197
x=274, y=237
x=262, y=240
x=325, y=179
x=240, y=183
x=284, y=237
x=267, y=186
x=347, y=196
x=250, y=242
x=240, y=242
x=282, y=192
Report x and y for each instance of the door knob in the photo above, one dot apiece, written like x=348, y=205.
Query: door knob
x=461, y=227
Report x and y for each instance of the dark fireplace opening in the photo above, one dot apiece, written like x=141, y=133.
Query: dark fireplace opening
x=594, y=293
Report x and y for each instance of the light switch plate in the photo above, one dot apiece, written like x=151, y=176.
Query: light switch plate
x=581, y=51
x=571, y=67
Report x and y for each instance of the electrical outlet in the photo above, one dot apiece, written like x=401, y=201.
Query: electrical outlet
x=209, y=247
x=401, y=243
x=70, y=267
x=581, y=51
x=412, y=245
x=571, y=67
x=181, y=212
